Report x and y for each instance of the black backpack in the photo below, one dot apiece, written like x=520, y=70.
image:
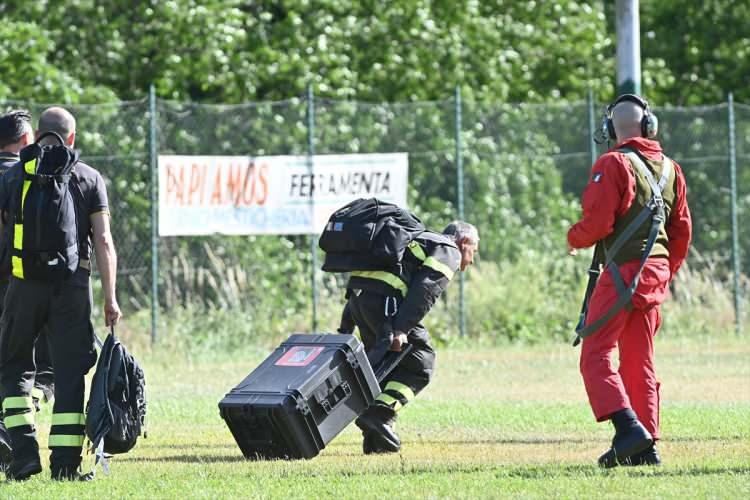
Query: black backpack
x=44, y=211
x=116, y=410
x=368, y=234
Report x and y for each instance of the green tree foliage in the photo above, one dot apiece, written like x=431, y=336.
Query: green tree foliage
x=372, y=50
x=31, y=72
x=695, y=52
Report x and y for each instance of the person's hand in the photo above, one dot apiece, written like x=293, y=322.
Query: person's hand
x=112, y=313
x=572, y=251
x=399, y=341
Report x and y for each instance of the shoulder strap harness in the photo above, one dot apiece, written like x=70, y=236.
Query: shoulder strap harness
x=654, y=209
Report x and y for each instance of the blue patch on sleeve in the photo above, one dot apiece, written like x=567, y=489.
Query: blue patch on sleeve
x=597, y=177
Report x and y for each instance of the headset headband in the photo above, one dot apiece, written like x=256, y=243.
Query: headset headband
x=643, y=103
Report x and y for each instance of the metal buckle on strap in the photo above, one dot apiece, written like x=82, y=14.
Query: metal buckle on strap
x=656, y=202
x=85, y=264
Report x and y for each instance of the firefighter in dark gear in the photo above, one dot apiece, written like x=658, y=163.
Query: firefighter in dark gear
x=62, y=304
x=16, y=133
x=387, y=306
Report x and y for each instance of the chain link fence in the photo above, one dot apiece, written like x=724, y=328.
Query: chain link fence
x=522, y=169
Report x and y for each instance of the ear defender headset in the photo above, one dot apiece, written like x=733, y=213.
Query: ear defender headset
x=649, y=122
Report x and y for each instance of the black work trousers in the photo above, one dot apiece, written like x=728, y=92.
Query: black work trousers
x=44, y=381
x=414, y=372
x=66, y=310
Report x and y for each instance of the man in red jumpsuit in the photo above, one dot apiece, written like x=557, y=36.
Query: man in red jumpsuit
x=629, y=396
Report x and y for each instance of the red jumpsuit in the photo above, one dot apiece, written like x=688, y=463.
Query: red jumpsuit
x=608, y=195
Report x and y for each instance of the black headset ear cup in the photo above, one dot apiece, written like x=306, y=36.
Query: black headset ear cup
x=649, y=124
x=610, y=128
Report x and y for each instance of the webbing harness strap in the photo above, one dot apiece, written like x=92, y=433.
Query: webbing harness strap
x=655, y=209
x=417, y=251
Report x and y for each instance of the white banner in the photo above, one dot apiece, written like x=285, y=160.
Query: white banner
x=270, y=194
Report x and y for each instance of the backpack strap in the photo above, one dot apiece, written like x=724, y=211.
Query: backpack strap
x=655, y=209
x=417, y=249
x=29, y=167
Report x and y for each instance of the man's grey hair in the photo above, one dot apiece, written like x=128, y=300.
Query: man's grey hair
x=57, y=119
x=459, y=230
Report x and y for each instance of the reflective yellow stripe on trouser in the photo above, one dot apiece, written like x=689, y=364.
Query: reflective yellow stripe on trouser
x=68, y=419
x=19, y=410
x=395, y=395
x=70, y=440
x=16, y=261
x=67, y=440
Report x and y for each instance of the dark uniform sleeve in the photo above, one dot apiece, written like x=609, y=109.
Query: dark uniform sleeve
x=426, y=286
x=5, y=196
x=346, y=325
x=99, y=201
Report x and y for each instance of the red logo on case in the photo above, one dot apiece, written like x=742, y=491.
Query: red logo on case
x=299, y=356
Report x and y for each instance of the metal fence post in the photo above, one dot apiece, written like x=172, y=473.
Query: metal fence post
x=310, y=164
x=735, y=227
x=460, y=202
x=154, y=212
x=592, y=124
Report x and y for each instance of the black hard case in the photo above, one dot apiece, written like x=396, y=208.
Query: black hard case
x=303, y=395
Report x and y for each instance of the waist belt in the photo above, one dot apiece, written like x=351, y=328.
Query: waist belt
x=85, y=264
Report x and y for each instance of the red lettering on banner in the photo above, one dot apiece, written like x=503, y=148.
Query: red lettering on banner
x=195, y=182
x=180, y=186
x=216, y=194
x=204, y=169
x=234, y=183
x=239, y=184
x=172, y=186
x=262, y=179
x=248, y=192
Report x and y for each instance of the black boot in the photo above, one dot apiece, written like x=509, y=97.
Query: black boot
x=71, y=473
x=24, y=464
x=377, y=426
x=21, y=471
x=6, y=451
x=649, y=456
x=367, y=447
x=630, y=439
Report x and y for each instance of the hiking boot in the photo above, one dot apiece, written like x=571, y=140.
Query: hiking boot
x=377, y=425
x=6, y=451
x=630, y=439
x=21, y=472
x=70, y=473
x=367, y=447
x=374, y=444
x=649, y=456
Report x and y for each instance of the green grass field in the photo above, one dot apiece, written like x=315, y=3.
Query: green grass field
x=498, y=422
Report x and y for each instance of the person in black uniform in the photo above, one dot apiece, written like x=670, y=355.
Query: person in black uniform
x=16, y=133
x=385, y=314
x=65, y=307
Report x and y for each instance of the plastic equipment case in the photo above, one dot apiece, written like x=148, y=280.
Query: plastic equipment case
x=306, y=392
